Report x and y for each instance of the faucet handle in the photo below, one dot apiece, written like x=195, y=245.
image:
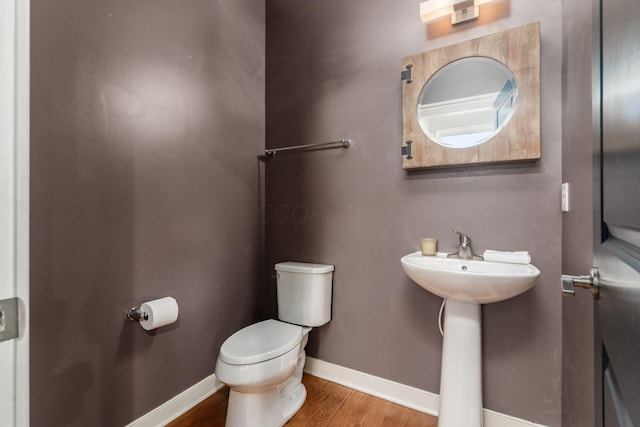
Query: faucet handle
x=464, y=239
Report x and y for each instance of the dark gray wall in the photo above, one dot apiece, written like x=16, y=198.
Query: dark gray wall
x=147, y=117
x=577, y=224
x=333, y=71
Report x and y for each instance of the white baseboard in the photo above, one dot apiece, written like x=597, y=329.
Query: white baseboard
x=178, y=405
x=401, y=394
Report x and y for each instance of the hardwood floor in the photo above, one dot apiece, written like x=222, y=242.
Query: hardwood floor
x=328, y=405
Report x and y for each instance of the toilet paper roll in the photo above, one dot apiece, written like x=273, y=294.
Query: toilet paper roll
x=160, y=312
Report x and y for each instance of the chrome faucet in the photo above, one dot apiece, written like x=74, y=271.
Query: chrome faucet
x=464, y=251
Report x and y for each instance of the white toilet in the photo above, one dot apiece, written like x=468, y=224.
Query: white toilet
x=262, y=363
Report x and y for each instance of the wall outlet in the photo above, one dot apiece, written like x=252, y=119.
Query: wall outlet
x=565, y=205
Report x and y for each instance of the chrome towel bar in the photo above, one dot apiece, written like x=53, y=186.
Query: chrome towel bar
x=343, y=143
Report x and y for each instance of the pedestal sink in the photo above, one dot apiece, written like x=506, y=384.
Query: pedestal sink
x=465, y=284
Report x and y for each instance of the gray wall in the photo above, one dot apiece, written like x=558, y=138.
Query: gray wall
x=577, y=243
x=333, y=71
x=147, y=117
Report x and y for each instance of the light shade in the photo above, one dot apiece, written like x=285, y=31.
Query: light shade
x=460, y=10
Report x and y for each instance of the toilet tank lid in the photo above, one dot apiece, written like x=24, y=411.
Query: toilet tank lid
x=304, y=267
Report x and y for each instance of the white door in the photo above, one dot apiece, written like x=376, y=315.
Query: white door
x=14, y=216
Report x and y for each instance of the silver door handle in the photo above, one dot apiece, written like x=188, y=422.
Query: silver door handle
x=590, y=283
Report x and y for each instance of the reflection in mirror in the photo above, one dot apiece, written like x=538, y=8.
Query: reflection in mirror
x=467, y=102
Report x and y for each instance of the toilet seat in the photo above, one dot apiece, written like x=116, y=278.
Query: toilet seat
x=259, y=342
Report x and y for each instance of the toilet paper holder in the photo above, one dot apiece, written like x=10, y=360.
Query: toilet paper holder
x=135, y=313
x=154, y=314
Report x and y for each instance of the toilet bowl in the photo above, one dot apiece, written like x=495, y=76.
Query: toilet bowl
x=263, y=363
x=265, y=376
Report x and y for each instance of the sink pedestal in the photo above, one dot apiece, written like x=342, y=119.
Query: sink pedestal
x=461, y=374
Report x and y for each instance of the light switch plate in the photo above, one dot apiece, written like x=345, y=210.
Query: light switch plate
x=565, y=197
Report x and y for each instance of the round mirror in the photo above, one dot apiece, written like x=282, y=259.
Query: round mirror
x=467, y=102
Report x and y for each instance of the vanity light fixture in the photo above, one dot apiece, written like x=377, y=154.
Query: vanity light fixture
x=460, y=10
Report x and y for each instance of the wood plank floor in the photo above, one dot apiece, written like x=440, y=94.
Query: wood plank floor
x=328, y=405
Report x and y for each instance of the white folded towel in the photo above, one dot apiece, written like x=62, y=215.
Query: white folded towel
x=520, y=257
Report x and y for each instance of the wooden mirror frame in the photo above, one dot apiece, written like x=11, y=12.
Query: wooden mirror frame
x=519, y=140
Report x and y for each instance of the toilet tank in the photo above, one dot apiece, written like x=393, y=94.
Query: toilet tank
x=304, y=293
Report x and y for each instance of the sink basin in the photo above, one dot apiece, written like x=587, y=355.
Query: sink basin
x=469, y=281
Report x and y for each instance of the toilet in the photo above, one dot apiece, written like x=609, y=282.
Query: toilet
x=262, y=363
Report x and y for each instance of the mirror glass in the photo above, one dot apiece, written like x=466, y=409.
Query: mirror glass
x=467, y=102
